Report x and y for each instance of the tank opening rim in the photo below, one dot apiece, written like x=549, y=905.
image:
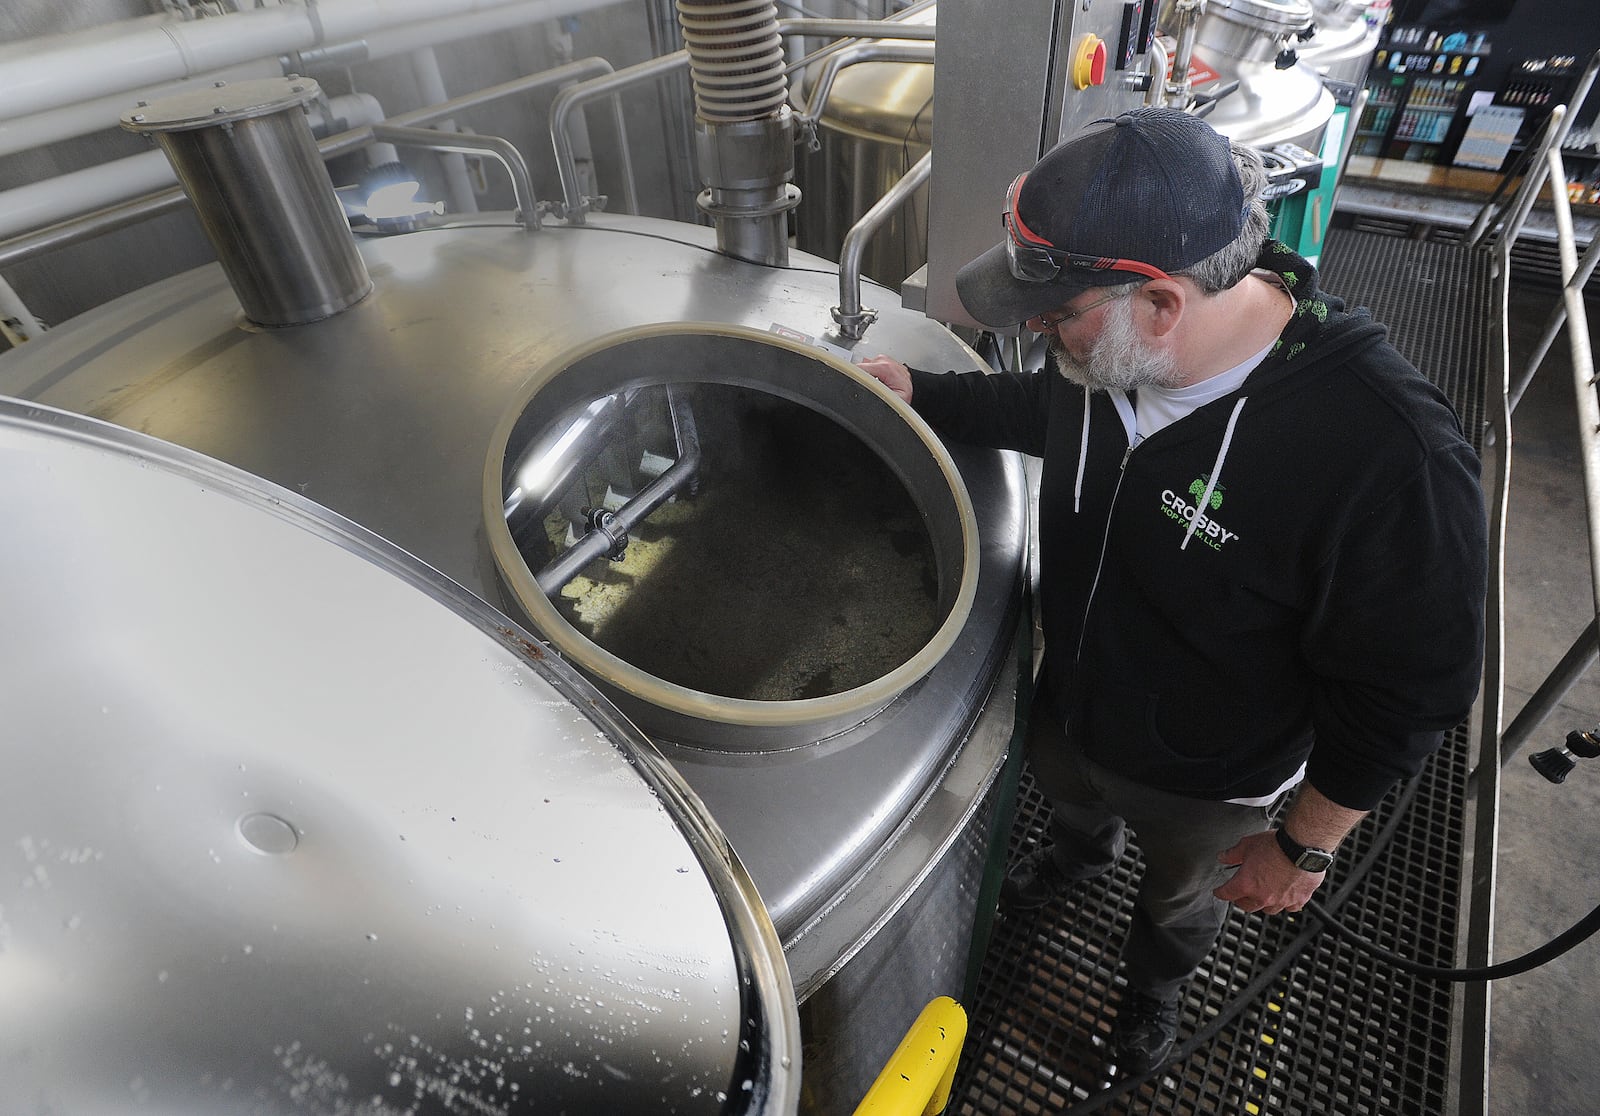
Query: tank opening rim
x=840, y=709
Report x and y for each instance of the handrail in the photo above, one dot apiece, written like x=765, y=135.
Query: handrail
x=502, y=150
x=1553, y=134
x=864, y=51
x=851, y=318
x=1583, y=381
x=573, y=97
x=1497, y=745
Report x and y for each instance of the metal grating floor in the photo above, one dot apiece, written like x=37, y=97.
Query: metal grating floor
x=1436, y=298
x=1284, y=1018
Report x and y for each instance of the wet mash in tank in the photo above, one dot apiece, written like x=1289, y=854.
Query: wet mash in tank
x=792, y=564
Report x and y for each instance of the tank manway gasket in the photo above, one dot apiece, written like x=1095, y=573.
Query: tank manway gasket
x=1318, y=1039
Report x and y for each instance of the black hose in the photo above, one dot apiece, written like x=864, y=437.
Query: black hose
x=1555, y=947
x=1287, y=956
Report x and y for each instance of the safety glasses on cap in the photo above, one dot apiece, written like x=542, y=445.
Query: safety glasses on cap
x=1034, y=259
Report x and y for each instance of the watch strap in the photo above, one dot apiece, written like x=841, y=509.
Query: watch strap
x=1304, y=857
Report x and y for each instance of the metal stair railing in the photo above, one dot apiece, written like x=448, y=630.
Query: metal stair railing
x=1495, y=231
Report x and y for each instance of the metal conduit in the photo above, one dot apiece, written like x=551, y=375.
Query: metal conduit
x=852, y=319
x=62, y=234
x=502, y=150
x=608, y=536
x=571, y=99
x=864, y=51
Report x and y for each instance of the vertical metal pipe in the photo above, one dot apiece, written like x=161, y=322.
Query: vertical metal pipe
x=430, y=86
x=744, y=133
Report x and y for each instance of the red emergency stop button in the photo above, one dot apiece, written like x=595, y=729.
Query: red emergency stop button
x=1088, y=62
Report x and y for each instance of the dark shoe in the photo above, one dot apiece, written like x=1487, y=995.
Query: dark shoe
x=1034, y=881
x=1144, y=1032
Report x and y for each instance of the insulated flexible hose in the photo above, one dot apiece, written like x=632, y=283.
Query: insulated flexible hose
x=735, y=59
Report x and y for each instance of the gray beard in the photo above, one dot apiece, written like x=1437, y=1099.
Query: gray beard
x=1119, y=359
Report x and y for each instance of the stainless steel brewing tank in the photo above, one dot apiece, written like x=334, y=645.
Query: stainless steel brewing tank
x=866, y=846
x=290, y=823
x=874, y=127
x=1342, y=47
x=1279, y=99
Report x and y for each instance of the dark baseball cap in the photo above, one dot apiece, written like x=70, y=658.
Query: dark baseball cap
x=1147, y=193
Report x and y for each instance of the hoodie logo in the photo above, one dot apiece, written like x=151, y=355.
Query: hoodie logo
x=1185, y=507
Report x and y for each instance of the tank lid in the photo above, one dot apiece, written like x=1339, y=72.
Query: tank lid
x=222, y=103
x=291, y=823
x=1274, y=16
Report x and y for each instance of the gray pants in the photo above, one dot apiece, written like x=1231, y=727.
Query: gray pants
x=1176, y=918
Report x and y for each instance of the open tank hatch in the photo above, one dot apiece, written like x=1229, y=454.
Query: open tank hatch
x=732, y=531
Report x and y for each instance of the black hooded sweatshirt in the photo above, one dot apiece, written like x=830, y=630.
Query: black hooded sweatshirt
x=1294, y=572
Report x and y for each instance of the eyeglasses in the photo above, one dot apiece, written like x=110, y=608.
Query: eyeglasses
x=1050, y=321
x=1034, y=259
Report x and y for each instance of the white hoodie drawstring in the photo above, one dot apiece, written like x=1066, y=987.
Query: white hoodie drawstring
x=1216, y=473
x=1083, y=456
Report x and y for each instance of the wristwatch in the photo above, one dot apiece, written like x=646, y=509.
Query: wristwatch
x=1304, y=858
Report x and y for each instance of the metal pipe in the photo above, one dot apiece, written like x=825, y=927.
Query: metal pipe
x=602, y=541
x=859, y=28
x=851, y=318
x=42, y=203
x=25, y=132
x=1547, y=698
x=1553, y=134
x=1521, y=203
x=574, y=97
x=16, y=319
x=500, y=149
x=852, y=55
x=1188, y=14
x=1558, y=318
x=1473, y=1080
x=1156, y=94
x=39, y=75
x=551, y=462
x=569, y=100
x=430, y=86
x=90, y=225
x=249, y=163
x=1583, y=379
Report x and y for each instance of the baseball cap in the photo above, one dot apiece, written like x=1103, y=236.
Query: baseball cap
x=1147, y=193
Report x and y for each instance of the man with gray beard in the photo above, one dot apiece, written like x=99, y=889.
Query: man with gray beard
x=1261, y=534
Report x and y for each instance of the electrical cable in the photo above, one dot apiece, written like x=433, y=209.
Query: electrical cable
x=1555, y=947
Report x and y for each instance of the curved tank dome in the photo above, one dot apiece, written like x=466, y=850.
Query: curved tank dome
x=306, y=828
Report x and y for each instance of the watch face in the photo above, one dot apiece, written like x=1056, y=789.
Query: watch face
x=1314, y=860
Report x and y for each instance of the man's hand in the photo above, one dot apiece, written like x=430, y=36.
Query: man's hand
x=890, y=373
x=1265, y=881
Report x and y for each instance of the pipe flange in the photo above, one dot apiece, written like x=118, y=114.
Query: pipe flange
x=779, y=204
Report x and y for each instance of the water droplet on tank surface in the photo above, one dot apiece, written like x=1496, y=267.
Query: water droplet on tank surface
x=371, y=937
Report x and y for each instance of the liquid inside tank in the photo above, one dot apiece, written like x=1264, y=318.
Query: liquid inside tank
x=794, y=564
